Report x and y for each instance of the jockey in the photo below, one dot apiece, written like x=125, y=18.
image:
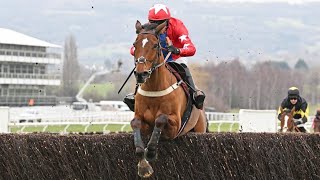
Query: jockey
x=301, y=107
x=182, y=46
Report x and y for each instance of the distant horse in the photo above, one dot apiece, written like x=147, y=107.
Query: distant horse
x=287, y=122
x=160, y=101
x=316, y=122
x=316, y=126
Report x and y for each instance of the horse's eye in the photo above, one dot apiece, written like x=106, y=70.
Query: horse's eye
x=155, y=46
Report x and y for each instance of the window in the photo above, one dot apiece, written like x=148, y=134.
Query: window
x=5, y=68
x=18, y=69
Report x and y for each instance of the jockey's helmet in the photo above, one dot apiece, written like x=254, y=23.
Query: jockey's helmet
x=159, y=12
x=293, y=92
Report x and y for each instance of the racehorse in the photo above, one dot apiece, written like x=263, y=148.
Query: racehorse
x=160, y=101
x=287, y=122
x=316, y=125
x=316, y=122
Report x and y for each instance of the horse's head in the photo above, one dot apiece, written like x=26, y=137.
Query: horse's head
x=147, y=54
x=287, y=123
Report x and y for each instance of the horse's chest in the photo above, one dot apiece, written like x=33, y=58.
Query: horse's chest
x=149, y=115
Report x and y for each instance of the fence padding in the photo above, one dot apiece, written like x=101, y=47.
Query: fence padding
x=195, y=156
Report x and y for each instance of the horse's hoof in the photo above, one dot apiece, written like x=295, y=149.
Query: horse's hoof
x=150, y=155
x=144, y=169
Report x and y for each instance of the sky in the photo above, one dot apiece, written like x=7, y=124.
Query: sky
x=221, y=29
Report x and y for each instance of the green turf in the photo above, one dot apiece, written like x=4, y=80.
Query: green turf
x=99, y=89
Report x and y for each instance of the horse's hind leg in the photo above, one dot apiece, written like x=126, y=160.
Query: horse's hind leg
x=151, y=150
x=144, y=168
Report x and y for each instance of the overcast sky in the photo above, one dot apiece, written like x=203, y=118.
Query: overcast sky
x=225, y=27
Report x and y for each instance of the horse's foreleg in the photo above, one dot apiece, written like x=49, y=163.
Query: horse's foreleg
x=151, y=150
x=138, y=143
x=144, y=168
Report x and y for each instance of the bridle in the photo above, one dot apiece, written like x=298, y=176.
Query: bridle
x=155, y=63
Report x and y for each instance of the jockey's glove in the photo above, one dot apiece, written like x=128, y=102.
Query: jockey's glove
x=173, y=50
x=297, y=121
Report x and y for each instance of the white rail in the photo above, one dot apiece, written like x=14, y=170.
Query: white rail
x=102, y=116
x=106, y=118
x=86, y=125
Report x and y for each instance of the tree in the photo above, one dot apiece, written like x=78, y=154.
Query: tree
x=280, y=64
x=71, y=69
x=301, y=65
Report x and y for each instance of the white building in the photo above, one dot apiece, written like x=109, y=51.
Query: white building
x=28, y=67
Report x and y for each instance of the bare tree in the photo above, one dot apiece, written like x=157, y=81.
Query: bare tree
x=71, y=69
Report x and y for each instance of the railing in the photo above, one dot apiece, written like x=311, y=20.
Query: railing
x=24, y=100
x=24, y=53
x=45, y=125
x=30, y=76
x=104, y=116
x=107, y=118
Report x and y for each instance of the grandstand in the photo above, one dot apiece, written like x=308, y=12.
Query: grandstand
x=27, y=67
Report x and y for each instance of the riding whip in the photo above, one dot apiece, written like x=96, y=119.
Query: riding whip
x=126, y=79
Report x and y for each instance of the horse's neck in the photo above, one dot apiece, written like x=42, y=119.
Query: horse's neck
x=159, y=80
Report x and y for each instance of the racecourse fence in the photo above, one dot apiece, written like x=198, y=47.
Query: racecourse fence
x=106, y=118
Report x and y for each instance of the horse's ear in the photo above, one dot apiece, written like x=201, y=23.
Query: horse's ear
x=293, y=109
x=160, y=27
x=281, y=109
x=138, y=27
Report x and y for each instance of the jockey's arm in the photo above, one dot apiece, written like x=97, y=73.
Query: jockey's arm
x=187, y=47
x=282, y=106
x=132, y=50
x=279, y=113
x=304, y=112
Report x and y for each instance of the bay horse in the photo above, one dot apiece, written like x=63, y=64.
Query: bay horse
x=316, y=122
x=160, y=101
x=287, y=122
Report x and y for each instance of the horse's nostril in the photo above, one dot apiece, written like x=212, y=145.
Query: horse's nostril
x=141, y=76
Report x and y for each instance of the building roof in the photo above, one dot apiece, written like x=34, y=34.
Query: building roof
x=8, y=36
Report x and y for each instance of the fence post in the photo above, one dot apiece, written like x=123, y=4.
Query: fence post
x=4, y=119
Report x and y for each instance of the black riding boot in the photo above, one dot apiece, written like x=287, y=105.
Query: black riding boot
x=198, y=95
x=129, y=100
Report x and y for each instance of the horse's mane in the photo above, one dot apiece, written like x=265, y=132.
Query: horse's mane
x=149, y=26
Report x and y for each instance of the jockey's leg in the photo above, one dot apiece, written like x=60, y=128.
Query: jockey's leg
x=129, y=100
x=198, y=95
